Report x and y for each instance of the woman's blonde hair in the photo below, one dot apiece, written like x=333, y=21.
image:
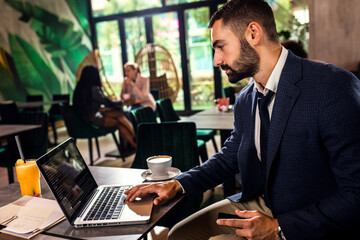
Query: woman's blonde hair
x=133, y=66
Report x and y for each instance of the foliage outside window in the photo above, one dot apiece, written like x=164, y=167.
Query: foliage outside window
x=289, y=24
x=166, y=34
x=176, y=2
x=202, y=90
x=109, y=7
x=135, y=36
x=110, y=52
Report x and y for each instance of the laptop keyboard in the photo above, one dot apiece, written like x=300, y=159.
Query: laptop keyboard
x=108, y=205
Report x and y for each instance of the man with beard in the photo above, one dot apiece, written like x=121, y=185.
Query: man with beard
x=295, y=143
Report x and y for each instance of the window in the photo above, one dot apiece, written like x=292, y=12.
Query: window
x=110, y=52
x=200, y=58
x=109, y=7
x=175, y=2
x=166, y=34
x=135, y=36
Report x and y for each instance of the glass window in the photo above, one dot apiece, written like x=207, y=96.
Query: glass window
x=175, y=2
x=108, y=7
x=166, y=34
x=200, y=58
x=135, y=36
x=110, y=51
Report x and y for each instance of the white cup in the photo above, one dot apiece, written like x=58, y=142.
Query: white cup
x=159, y=165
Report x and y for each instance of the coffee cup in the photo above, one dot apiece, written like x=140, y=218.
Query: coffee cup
x=159, y=165
x=28, y=176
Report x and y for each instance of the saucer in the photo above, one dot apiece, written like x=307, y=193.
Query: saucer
x=173, y=172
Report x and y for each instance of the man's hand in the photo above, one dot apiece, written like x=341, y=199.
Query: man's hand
x=256, y=225
x=164, y=190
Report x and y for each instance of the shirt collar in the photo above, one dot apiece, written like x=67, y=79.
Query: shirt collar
x=273, y=81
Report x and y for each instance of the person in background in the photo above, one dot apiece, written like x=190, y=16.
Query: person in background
x=97, y=108
x=296, y=48
x=295, y=143
x=135, y=90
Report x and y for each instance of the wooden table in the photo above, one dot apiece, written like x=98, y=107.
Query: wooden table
x=7, y=130
x=103, y=175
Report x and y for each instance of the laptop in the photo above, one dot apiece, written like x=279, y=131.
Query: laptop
x=84, y=203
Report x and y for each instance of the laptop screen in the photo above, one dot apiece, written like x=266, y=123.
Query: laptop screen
x=68, y=177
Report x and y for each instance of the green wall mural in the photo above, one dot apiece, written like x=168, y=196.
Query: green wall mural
x=42, y=42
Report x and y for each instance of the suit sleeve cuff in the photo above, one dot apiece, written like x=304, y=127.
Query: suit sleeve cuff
x=183, y=190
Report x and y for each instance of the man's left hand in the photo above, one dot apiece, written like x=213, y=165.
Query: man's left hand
x=255, y=225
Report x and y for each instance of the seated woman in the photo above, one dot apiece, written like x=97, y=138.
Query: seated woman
x=99, y=109
x=135, y=90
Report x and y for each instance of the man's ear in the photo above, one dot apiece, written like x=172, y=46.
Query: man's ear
x=253, y=33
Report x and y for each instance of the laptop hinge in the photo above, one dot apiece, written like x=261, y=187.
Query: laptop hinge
x=88, y=203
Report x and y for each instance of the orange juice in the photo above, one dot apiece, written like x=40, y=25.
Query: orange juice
x=28, y=176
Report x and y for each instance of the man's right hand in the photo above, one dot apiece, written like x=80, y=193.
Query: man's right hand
x=164, y=190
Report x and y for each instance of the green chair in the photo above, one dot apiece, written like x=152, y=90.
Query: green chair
x=176, y=139
x=155, y=93
x=78, y=127
x=167, y=113
x=147, y=114
x=141, y=115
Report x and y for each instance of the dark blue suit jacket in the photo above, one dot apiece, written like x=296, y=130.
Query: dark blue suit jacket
x=313, y=168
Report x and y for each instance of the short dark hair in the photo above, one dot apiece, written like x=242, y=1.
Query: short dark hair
x=239, y=13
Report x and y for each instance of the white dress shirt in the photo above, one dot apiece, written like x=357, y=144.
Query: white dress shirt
x=272, y=84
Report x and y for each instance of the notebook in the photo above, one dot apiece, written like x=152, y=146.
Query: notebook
x=84, y=203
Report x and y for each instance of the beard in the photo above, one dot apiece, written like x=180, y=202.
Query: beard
x=247, y=65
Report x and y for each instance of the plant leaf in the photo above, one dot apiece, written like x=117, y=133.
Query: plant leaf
x=33, y=72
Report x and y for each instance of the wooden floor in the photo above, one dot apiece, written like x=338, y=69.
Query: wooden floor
x=107, y=145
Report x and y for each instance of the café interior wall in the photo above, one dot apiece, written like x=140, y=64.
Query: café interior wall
x=334, y=32
x=42, y=42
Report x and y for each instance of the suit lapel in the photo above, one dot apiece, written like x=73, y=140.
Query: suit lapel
x=286, y=96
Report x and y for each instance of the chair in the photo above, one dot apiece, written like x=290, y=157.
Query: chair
x=155, y=93
x=35, y=98
x=55, y=114
x=230, y=93
x=141, y=115
x=176, y=139
x=147, y=114
x=34, y=143
x=78, y=127
x=167, y=113
x=9, y=113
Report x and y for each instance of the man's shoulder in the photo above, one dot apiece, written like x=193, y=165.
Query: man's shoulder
x=302, y=68
x=323, y=68
x=248, y=89
x=245, y=95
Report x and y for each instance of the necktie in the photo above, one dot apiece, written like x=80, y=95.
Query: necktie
x=263, y=102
